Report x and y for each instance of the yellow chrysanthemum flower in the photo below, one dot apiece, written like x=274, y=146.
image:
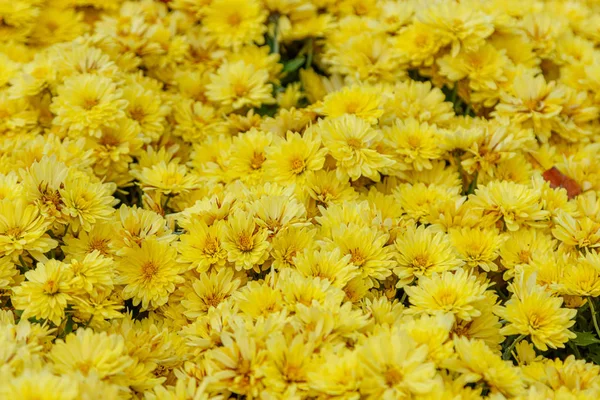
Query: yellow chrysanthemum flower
x=393, y=365
x=201, y=246
x=234, y=23
x=239, y=85
x=245, y=242
x=421, y=252
x=459, y=293
x=87, y=102
x=208, y=291
x=42, y=385
x=90, y=353
x=352, y=142
x=516, y=205
x=477, y=362
x=46, y=292
x=583, y=278
x=533, y=311
x=362, y=101
x=289, y=159
x=149, y=273
x=478, y=247
x=413, y=145
x=23, y=229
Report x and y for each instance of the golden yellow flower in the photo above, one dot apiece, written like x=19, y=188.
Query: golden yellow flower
x=23, y=229
x=87, y=102
x=201, y=246
x=40, y=385
x=209, y=291
x=583, y=278
x=239, y=84
x=516, y=205
x=89, y=353
x=289, y=159
x=352, y=142
x=394, y=366
x=459, y=293
x=478, y=247
x=477, y=362
x=149, y=273
x=245, y=242
x=362, y=101
x=235, y=22
x=533, y=103
x=46, y=292
x=422, y=252
x=533, y=311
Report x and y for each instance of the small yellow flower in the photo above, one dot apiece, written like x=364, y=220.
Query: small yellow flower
x=583, y=278
x=88, y=353
x=46, y=292
x=422, y=252
x=362, y=101
x=149, y=273
x=23, y=229
x=235, y=22
x=477, y=362
x=517, y=205
x=209, y=291
x=289, y=159
x=239, y=85
x=393, y=366
x=459, y=293
x=413, y=145
x=534, y=312
x=87, y=102
x=202, y=246
x=245, y=242
x=352, y=142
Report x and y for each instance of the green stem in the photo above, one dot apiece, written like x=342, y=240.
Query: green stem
x=169, y=196
x=403, y=298
x=22, y=262
x=508, y=351
x=276, y=35
x=309, y=54
x=575, y=350
x=593, y=311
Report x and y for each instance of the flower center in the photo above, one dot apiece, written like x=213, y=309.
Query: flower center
x=446, y=298
x=149, y=270
x=420, y=262
x=137, y=113
x=524, y=256
x=50, y=287
x=298, y=165
x=245, y=242
x=88, y=104
x=393, y=376
x=14, y=232
x=354, y=143
x=357, y=257
x=257, y=160
x=99, y=244
x=211, y=246
x=535, y=321
x=234, y=19
x=240, y=89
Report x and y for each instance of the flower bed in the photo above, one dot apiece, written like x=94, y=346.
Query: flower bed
x=299, y=199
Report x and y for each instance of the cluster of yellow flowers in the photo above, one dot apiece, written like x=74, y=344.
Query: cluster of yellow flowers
x=299, y=199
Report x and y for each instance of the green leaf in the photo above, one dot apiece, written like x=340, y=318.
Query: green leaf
x=293, y=64
x=472, y=185
x=585, y=339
